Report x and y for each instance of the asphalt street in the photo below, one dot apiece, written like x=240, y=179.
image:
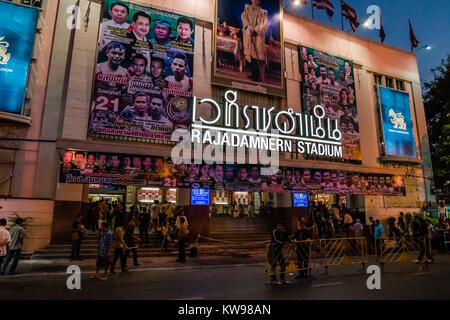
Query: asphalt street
x=236, y=282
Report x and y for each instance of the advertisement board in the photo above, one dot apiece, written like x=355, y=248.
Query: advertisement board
x=144, y=73
x=17, y=35
x=200, y=197
x=140, y=170
x=329, y=81
x=397, y=123
x=300, y=200
x=248, y=46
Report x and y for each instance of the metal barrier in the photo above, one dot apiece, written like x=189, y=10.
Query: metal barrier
x=290, y=257
x=403, y=250
x=342, y=251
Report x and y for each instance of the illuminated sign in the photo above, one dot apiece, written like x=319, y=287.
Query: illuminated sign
x=397, y=123
x=200, y=197
x=300, y=200
x=16, y=49
x=252, y=127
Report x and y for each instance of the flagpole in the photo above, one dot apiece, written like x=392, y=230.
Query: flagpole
x=342, y=19
x=312, y=10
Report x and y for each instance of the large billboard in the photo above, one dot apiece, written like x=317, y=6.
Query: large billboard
x=17, y=33
x=329, y=81
x=123, y=169
x=144, y=73
x=397, y=123
x=248, y=46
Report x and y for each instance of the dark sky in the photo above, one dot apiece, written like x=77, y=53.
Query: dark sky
x=429, y=18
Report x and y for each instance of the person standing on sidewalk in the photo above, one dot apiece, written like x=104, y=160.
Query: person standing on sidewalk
x=130, y=240
x=119, y=246
x=378, y=235
x=105, y=240
x=5, y=239
x=77, y=235
x=348, y=221
x=279, y=238
x=15, y=248
x=144, y=224
x=155, y=209
x=182, y=235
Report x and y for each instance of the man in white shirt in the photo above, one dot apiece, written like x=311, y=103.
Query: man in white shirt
x=111, y=28
x=5, y=239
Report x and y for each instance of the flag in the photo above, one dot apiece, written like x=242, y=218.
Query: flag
x=350, y=13
x=324, y=5
x=414, y=41
x=382, y=34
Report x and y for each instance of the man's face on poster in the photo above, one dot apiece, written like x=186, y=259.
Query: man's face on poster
x=288, y=175
x=102, y=160
x=347, y=67
x=242, y=174
x=318, y=177
x=115, y=161
x=141, y=26
x=355, y=179
x=119, y=14
x=67, y=159
x=363, y=180
x=90, y=160
x=116, y=56
x=341, y=177
x=297, y=176
x=127, y=162
x=375, y=180
x=229, y=174
x=306, y=176
x=370, y=180
x=178, y=67
x=79, y=159
x=326, y=177
x=254, y=173
x=184, y=31
x=388, y=181
x=205, y=171
x=326, y=100
x=162, y=32
x=139, y=66
x=159, y=164
x=192, y=169
x=381, y=180
x=137, y=162
x=147, y=163
x=156, y=68
x=335, y=102
x=334, y=178
x=156, y=107
x=218, y=172
x=140, y=104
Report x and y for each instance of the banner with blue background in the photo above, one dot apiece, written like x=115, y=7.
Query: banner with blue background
x=17, y=33
x=397, y=123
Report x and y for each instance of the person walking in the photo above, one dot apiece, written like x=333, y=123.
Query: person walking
x=15, y=248
x=423, y=241
x=348, y=221
x=378, y=235
x=130, y=241
x=77, y=236
x=336, y=218
x=358, y=228
x=5, y=240
x=104, y=255
x=401, y=224
x=279, y=238
x=144, y=224
x=178, y=219
x=119, y=246
x=182, y=235
x=162, y=230
x=167, y=208
x=302, y=248
x=155, y=209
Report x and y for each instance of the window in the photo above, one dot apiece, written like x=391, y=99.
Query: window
x=377, y=78
x=400, y=85
x=389, y=82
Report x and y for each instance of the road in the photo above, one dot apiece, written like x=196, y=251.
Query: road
x=236, y=282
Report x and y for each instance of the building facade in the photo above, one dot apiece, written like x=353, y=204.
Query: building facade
x=59, y=112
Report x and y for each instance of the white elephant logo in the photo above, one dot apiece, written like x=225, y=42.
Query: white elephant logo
x=397, y=119
x=4, y=57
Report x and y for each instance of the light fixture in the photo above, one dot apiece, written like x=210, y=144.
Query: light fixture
x=427, y=46
x=366, y=24
x=296, y=2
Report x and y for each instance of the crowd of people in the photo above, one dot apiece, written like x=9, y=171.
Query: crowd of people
x=117, y=236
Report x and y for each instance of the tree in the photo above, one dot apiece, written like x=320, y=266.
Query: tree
x=437, y=109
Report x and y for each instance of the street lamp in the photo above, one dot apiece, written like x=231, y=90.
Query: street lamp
x=428, y=47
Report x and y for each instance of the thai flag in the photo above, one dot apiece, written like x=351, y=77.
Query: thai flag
x=350, y=13
x=324, y=5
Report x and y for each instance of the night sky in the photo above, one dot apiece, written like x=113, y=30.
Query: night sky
x=429, y=18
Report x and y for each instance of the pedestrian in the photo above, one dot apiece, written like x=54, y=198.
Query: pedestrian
x=119, y=246
x=401, y=224
x=155, y=209
x=251, y=209
x=378, y=235
x=368, y=235
x=423, y=241
x=358, y=228
x=130, y=241
x=144, y=224
x=104, y=255
x=167, y=208
x=5, y=240
x=279, y=238
x=302, y=248
x=77, y=236
x=162, y=230
x=336, y=217
x=15, y=248
x=182, y=235
x=348, y=221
